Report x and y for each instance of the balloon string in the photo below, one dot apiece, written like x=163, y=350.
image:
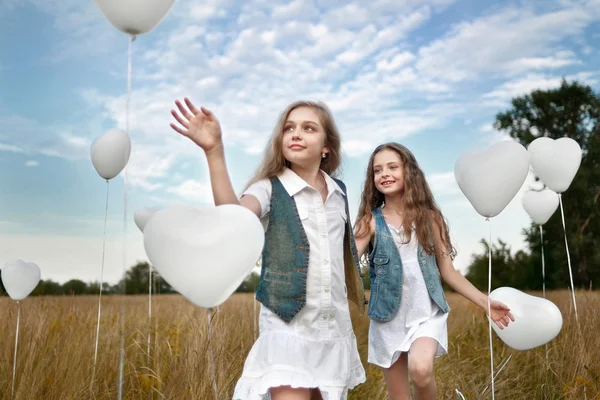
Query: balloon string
x=255, y=330
x=12, y=393
x=543, y=275
x=497, y=373
x=490, y=307
x=212, y=357
x=100, y=294
x=562, y=213
x=149, y=309
x=125, y=181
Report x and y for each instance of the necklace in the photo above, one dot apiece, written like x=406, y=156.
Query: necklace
x=323, y=185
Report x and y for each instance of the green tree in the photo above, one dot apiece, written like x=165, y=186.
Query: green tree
x=136, y=281
x=250, y=283
x=74, y=287
x=508, y=269
x=94, y=288
x=47, y=288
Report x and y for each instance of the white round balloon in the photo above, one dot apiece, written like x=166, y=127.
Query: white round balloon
x=540, y=205
x=204, y=253
x=555, y=162
x=110, y=153
x=134, y=17
x=141, y=217
x=491, y=178
x=20, y=278
x=537, y=320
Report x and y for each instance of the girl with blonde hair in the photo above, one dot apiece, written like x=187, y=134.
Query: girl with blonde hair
x=306, y=347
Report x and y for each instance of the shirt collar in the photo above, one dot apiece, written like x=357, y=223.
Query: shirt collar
x=294, y=184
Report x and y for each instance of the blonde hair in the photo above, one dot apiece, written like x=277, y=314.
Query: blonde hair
x=273, y=162
x=419, y=204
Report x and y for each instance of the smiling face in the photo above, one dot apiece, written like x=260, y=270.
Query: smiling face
x=388, y=173
x=303, y=137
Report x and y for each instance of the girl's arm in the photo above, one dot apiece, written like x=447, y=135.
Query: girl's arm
x=203, y=128
x=500, y=313
x=362, y=241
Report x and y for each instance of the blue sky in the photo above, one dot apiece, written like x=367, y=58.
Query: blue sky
x=429, y=74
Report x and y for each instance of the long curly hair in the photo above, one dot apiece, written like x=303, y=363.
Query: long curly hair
x=419, y=206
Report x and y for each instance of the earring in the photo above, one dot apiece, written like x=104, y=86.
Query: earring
x=323, y=155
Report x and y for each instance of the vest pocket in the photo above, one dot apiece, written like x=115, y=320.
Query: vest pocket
x=280, y=277
x=380, y=264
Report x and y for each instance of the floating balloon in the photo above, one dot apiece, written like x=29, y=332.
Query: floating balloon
x=141, y=217
x=110, y=153
x=134, y=17
x=491, y=178
x=20, y=278
x=540, y=205
x=555, y=162
x=204, y=253
x=537, y=321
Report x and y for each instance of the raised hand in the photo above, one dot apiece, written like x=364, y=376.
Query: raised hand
x=500, y=314
x=201, y=126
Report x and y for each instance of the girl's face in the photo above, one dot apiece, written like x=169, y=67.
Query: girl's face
x=388, y=172
x=303, y=137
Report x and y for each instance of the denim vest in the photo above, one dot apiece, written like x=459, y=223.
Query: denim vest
x=282, y=285
x=386, y=274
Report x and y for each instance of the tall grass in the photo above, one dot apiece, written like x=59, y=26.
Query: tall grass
x=56, y=347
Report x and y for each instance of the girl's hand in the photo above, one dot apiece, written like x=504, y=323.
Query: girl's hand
x=500, y=314
x=201, y=126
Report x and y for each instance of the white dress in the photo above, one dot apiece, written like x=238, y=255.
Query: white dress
x=418, y=315
x=318, y=347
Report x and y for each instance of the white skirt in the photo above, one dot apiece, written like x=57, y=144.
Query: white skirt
x=284, y=355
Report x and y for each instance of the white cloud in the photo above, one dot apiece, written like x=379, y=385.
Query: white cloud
x=500, y=96
x=296, y=9
x=30, y=137
x=193, y=190
x=357, y=147
x=397, y=61
x=32, y=163
x=561, y=59
x=11, y=148
x=465, y=53
x=443, y=184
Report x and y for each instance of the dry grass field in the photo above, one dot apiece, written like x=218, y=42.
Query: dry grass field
x=56, y=347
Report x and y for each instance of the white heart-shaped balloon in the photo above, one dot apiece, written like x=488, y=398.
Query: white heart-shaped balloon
x=540, y=205
x=537, y=320
x=491, y=178
x=141, y=217
x=204, y=253
x=20, y=278
x=134, y=17
x=110, y=153
x=555, y=162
